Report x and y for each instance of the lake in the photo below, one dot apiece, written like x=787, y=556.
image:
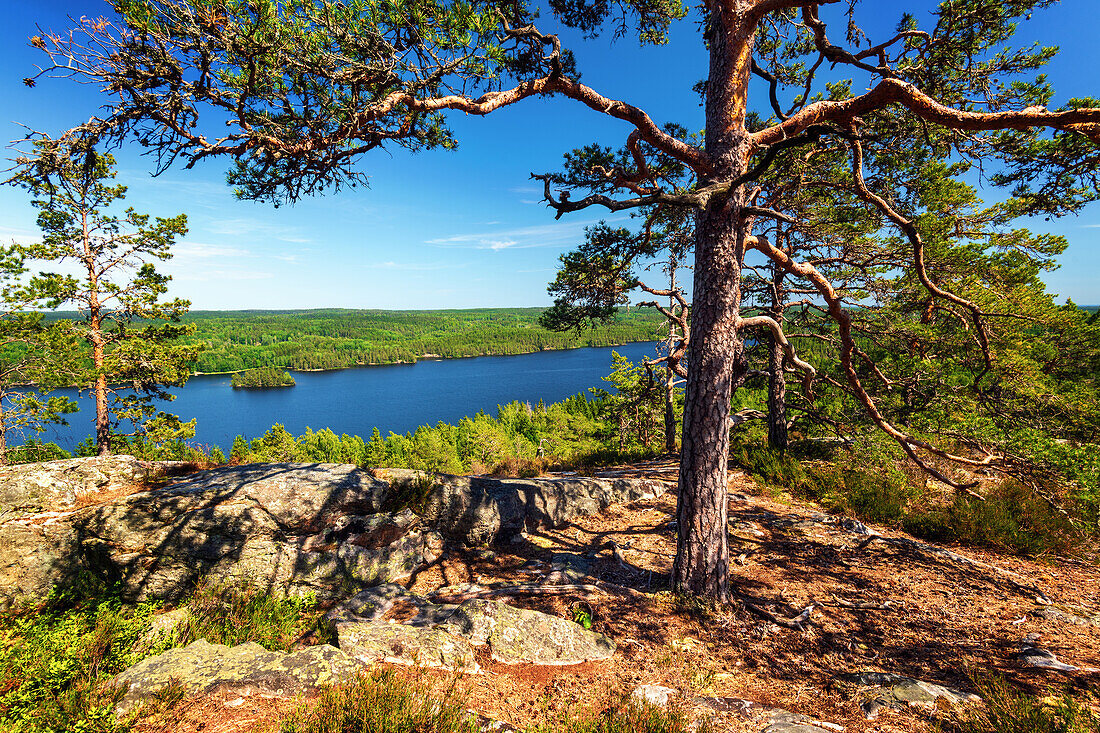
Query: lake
x=397, y=397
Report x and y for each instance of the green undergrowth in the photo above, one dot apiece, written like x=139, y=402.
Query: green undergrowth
x=872, y=483
x=1007, y=710
x=232, y=614
x=57, y=657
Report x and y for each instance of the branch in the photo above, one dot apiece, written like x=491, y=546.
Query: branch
x=836, y=310
x=915, y=239
x=894, y=91
x=781, y=338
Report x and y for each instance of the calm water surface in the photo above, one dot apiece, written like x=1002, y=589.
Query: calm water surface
x=395, y=398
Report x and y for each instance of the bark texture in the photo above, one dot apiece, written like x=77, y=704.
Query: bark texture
x=717, y=353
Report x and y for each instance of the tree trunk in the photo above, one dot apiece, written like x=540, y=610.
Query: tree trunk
x=717, y=357
x=102, y=419
x=777, y=381
x=3, y=435
x=670, y=412
x=777, y=399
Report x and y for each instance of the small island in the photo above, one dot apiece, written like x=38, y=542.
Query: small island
x=262, y=378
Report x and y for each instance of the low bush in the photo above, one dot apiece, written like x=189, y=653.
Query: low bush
x=56, y=657
x=232, y=614
x=627, y=717
x=873, y=484
x=383, y=701
x=1007, y=710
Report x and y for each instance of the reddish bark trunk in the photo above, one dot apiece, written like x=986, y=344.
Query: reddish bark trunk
x=718, y=362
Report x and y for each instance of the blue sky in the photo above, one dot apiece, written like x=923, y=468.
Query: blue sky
x=445, y=229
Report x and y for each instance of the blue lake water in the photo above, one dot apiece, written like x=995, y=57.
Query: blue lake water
x=396, y=398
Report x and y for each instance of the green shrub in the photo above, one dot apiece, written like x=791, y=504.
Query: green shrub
x=382, y=701
x=35, y=451
x=869, y=483
x=1007, y=710
x=56, y=659
x=229, y=614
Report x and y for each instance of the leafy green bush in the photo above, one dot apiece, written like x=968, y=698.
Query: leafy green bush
x=869, y=483
x=35, y=451
x=55, y=659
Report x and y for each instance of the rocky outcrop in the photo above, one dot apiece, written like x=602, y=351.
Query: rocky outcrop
x=324, y=528
x=390, y=624
x=247, y=669
x=477, y=510
x=291, y=527
x=887, y=691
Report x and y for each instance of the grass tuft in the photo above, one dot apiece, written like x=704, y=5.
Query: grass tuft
x=1007, y=710
x=628, y=717
x=383, y=701
x=232, y=614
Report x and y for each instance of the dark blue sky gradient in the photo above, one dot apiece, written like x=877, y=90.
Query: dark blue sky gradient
x=448, y=229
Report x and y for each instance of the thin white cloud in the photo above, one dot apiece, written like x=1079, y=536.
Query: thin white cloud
x=524, y=189
x=203, y=250
x=414, y=266
x=245, y=227
x=19, y=235
x=1090, y=226
x=223, y=275
x=559, y=234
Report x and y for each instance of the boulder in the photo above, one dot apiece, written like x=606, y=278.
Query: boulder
x=293, y=527
x=290, y=527
x=477, y=510
x=519, y=636
x=60, y=486
x=202, y=667
x=389, y=623
x=403, y=644
x=885, y=690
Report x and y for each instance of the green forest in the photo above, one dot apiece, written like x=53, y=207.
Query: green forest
x=339, y=338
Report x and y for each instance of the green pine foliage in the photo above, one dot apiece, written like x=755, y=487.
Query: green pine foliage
x=519, y=439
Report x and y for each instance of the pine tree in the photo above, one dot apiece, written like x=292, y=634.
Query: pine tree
x=130, y=333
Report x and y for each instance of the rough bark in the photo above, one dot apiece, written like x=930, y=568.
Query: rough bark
x=777, y=382
x=717, y=354
x=777, y=399
x=670, y=411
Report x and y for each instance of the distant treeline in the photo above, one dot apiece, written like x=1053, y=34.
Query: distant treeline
x=335, y=339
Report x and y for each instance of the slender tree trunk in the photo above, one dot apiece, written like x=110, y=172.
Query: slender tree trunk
x=777, y=381
x=3, y=435
x=670, y=411
x=102, y=418
x=717, y=355
x=777, y=399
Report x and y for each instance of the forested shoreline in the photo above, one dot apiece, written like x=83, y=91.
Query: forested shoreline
x=325, y=339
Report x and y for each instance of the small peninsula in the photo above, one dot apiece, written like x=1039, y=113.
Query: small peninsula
x=262, y=378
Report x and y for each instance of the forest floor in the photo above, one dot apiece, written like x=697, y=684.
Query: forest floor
x=881, y=602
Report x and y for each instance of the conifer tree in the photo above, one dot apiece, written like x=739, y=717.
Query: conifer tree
x=130, y=333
